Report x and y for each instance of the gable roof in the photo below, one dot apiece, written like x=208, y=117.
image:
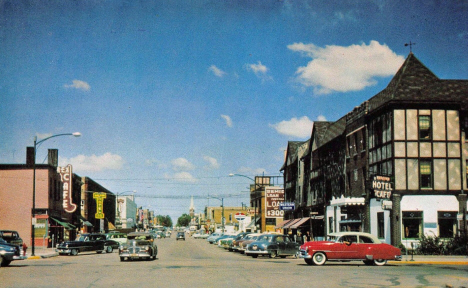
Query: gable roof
x=414, y=82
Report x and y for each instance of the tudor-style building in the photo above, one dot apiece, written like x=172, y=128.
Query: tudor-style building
x=395, y=166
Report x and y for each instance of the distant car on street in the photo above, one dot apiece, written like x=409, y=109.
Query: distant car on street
x=9, y=252
x=87, y=243
x=349, y=246
x=180, y=236
x=139, y=245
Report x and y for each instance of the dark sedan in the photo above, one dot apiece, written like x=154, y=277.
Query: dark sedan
x=87, y=243
x=272, y=245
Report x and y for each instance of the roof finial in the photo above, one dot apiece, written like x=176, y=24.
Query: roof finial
x=410, y=46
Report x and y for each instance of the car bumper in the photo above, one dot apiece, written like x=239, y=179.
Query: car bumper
x=256, y=252
x=135, y=255
x=63, y=250
x=11, y=256
x=304, y=255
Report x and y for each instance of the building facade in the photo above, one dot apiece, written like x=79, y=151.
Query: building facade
x=395, y=166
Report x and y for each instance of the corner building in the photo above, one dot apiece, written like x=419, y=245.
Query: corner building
x=402, y=172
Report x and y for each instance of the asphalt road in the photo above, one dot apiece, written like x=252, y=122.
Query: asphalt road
x=195, y=263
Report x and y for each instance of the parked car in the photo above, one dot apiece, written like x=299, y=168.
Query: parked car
x=180, y=236
x=234, y=245
x=119, y=237
x=246, y=241
x=9, y=252
x=349, y=246
x=139, y=245
x=213, y=235
x=87, y=243
x=272, y=245
x=11, y=237
x=225, y=241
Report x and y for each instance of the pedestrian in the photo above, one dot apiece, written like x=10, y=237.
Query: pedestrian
x=307, y=236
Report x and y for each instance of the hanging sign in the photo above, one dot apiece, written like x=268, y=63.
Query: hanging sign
x=66, y=177
x=99, y=196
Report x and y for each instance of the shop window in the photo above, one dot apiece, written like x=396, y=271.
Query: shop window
x=330, y=225
x=412, y=224
x=425, y=172
x=380, y=225
x=447, y=222
x=424, y=127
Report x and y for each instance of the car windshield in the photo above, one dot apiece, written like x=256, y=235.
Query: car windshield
x=331, y=238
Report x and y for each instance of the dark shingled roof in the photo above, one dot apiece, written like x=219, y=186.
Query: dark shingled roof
x=291, y=152
x=414, y=82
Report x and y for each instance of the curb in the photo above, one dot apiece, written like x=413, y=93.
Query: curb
x=428, y=262
x=42, y=256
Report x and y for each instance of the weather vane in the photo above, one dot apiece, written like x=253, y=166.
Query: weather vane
x=410, y=46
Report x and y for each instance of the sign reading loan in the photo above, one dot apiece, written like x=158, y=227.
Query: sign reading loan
x=382, y=186
x=274, y=196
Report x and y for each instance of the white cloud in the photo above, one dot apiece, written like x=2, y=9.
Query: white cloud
x=182, y=164
x=93, y=163
x=181, y=177
x=321, y=118
x=344, y=69
x=228, y=120
x=216, y=71
x=260, y=70
x=78, y=84
x=301, y=128
x=212, y=162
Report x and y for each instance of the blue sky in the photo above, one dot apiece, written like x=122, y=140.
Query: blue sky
x=173, y=96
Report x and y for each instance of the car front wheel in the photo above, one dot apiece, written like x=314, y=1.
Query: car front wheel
x=273, y=254
x=109, y=249
x=319, y=258
x=380, y=262
x=74, y=252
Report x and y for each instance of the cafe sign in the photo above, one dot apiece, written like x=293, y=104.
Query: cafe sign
x=382, y=186
x=66, y=177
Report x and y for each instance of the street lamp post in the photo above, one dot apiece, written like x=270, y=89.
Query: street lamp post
x=255, y=198
x=33, y=212
x=222, y=209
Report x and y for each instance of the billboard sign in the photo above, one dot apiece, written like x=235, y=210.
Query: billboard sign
x=274, y=196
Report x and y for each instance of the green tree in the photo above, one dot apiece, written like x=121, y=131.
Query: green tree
x=184, y=220
x=165, y=221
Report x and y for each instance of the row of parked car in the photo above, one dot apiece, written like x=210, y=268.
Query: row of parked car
x=341, y=246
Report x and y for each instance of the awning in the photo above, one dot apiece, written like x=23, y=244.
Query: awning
x=67, y=226
x=299, y=223
x=252, y=223
x=347, y=201
x=280, y=225
x=291, y=223
x=86, y=223
x=111, y=226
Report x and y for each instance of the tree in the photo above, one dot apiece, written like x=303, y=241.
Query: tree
x=165, y=221
x=184, y=220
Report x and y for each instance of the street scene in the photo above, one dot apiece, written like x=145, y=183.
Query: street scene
x=240, y=143
x=196, y=263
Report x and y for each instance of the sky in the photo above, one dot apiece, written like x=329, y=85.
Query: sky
x=173, y=96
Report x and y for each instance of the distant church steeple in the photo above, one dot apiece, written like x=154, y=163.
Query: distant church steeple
x=192, y=208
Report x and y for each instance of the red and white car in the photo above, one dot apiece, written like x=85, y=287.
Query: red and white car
x=349, y=246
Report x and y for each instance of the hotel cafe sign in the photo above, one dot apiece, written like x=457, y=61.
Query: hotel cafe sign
x=382, y=186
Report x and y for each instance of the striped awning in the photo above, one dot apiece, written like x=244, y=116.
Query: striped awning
x=288, y=225
x=280, y=225
x=299, y=223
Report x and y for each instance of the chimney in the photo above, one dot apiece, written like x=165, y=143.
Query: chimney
x=53, y=157
x=29, y=157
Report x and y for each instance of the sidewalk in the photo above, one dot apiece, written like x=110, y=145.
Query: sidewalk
x=41, y=252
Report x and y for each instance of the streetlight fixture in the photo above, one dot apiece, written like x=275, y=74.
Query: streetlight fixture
x=240, y=175
x=33, y=212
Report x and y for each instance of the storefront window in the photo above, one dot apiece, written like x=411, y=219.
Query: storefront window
x=380, y=225
x=447, y=222
x=412, y=224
